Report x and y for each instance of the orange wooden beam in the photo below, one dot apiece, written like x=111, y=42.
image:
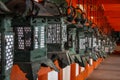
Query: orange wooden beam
x=108, y=1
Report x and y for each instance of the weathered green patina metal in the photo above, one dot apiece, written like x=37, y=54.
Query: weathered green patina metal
x=6, y=46
x=82, y=46
x=88, y=32
x=19, y=7
x=62, y=5
x=112, y=44
x=73, y=44
x=30, y=45
x=107, y=45
x=103, y=47
x=56, y=41
x=95, y=44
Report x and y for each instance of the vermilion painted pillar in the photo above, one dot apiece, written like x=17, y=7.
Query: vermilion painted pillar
x=43, y=73
x=17, y=74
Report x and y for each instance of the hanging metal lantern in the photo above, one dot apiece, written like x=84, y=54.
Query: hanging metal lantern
x=73, y=43
x=93, y=44
x=30, y=47
x=111, y=46
x=96, y=44
x=31, y=44
x=6, y=46
x=107, y=45
x=56, y=41
x=103, y=47
x=88, y=32
x=82, y=46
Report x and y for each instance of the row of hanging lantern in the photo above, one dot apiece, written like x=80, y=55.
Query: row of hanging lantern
x=42, y=32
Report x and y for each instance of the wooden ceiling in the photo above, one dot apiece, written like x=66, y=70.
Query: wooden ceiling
x=111, y=11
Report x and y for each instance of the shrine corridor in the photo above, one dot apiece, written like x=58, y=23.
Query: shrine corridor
x=109, y=69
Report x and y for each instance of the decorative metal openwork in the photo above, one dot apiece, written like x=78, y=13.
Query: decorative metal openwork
x=54, y=33
x=30, y=50
x=9, y=51
x=57, y=41
x=6, y=47
x=23, y=37
x=82, y=42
